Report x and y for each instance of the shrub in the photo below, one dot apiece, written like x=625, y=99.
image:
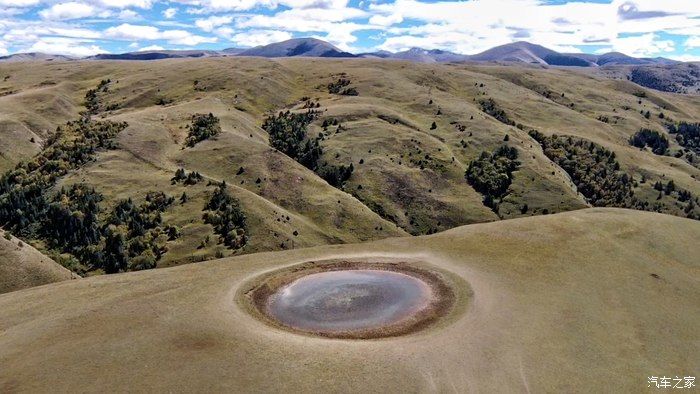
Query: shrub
x=288, y=134
x=490, y=107
x=202, y=127
x=491, y=174
x=336, y=175
x=687, y=135
x=645, y=137
x=224, y=212
x=337, y=86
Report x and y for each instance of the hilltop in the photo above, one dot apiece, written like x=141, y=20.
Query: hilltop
x=655, y=73
x=557, y=302
x=519, y=52
x=304, y=47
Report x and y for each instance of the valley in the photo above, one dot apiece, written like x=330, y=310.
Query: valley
x=389, y=155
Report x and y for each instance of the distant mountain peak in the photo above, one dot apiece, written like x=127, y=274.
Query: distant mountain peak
x=28, y=56
x=515, y=52
x=303, y=47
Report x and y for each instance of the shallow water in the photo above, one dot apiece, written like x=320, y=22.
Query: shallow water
x=350, y=300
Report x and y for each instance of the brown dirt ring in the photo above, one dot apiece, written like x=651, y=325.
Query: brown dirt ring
x=439, y=293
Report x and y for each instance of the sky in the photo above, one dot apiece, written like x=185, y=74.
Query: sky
x=642, y=28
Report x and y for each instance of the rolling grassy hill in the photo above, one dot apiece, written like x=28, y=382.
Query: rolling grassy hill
x=22, y=266
x=559, y=301
x=410, y=132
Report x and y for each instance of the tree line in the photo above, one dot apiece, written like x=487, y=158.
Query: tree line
x=491, y=107
x=598, y=177
x=651, y=138
x=24, y=189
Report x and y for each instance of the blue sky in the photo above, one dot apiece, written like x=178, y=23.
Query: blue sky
x=645, y=28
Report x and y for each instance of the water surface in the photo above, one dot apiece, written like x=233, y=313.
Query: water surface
x=350, y=300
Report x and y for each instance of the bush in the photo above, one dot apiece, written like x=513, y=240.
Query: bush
x=224, y=212
x=645, y=137
x=92, y=99
x=687, y=135
x=202, y=127
x=336, y=175
x=491, y=174
x=490, y=107
x=181, y=175
x=288, y=134
x=144, y=261
x=337, y=86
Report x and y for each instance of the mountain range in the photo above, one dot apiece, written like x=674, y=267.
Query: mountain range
x=519, y=52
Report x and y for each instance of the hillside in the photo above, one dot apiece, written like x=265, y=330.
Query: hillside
x=556, y=302
x=410, y=131
x=22, y=266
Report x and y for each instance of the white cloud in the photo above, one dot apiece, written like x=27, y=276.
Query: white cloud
x=260, y=37
x=473, y=26
x=65, y=46
x=645, y=45
x=685, y=58
x=211, y=6
x=225, y=32
x=170, y=13
x=27, y=34
x=212, y=22
x=466, y=26
x=388, y=20
x=69, y=10
x=183, y=37
x=128, y=14
x=333, y=22
x=18, y=3
x=145, y=4
x=151, y=48
x=692, y=42
x=127, y=31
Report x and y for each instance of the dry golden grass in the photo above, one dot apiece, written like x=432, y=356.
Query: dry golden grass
x=571, y=302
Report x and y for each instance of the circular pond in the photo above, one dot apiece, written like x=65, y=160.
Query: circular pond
x=340, y=301
x=356, y=300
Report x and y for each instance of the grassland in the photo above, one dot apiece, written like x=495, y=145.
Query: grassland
x=560, y=302
x=407, y=179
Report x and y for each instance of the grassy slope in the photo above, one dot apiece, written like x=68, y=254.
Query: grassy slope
x=560, y=301
x=22, y=266
x=242, y=90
